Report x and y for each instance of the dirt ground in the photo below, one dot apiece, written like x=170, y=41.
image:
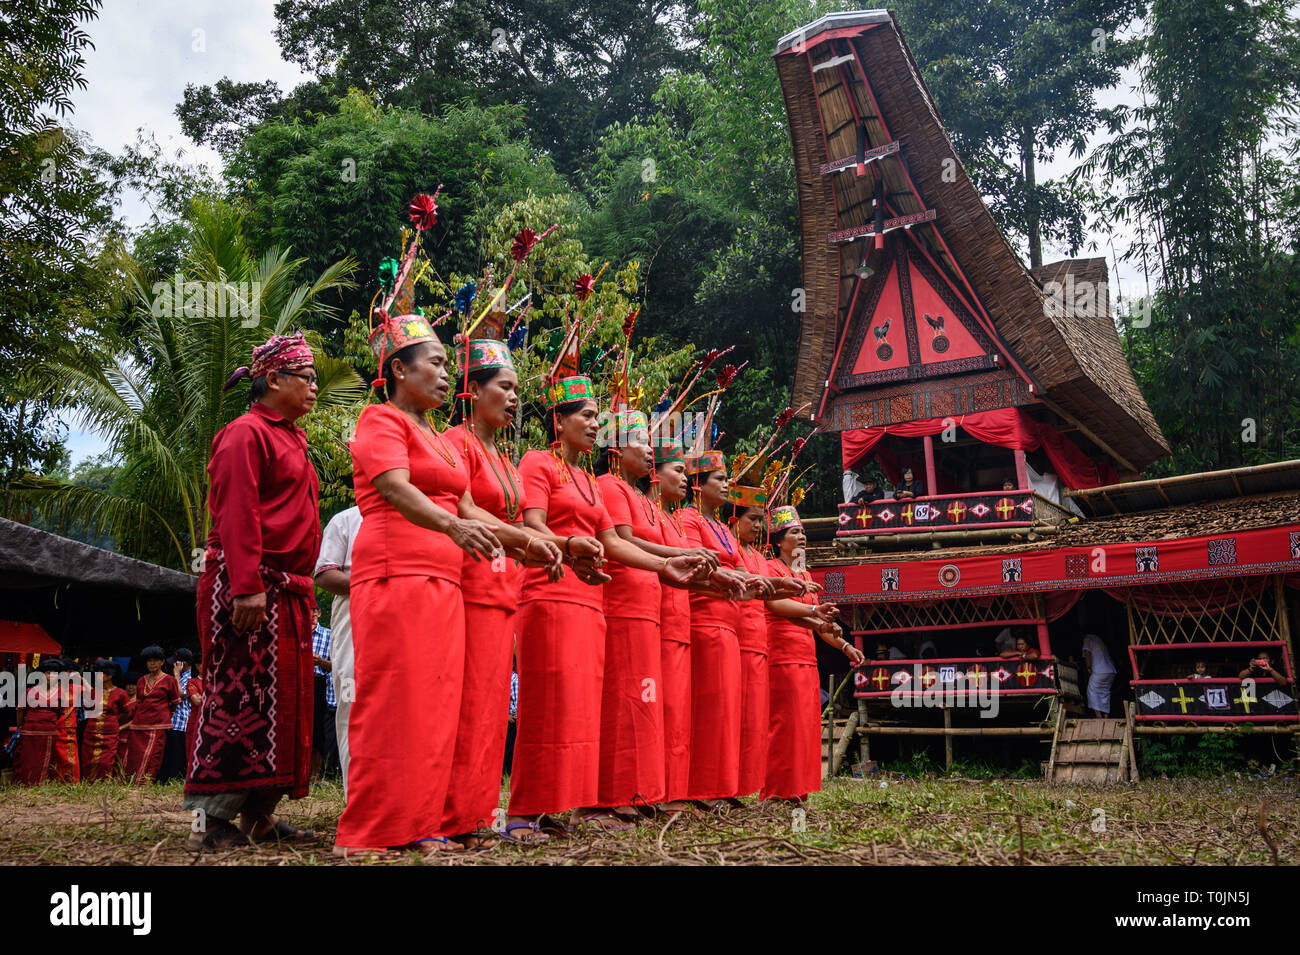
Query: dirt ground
x=884, y=819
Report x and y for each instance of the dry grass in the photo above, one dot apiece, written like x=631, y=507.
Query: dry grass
x=907, y=821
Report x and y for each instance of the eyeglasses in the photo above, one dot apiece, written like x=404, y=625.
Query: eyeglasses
x=310, y=379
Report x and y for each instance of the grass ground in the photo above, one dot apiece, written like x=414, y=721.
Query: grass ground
x=885, y=819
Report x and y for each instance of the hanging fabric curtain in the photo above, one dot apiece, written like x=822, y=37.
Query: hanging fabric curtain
x=1005, y=428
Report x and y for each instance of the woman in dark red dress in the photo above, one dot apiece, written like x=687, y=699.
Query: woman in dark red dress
x=794, y=765
x=157, y=695
x=408, y=620
x=561, y=626
x=102, y=735
x=38, y=726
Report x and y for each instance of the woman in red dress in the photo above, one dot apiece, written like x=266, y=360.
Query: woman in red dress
x=38, y=726
x=715, y=647
x=157, y=695
x=674, y=635
x=102, y=735
x=408, y=620
x=752, y=638
x=632, y=760
x=491, y=595
x=794, y=764
x=561, y=625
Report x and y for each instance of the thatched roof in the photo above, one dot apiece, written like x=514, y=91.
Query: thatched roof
x=1073, y=362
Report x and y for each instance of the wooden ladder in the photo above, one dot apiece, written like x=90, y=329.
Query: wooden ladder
x=1098, y=751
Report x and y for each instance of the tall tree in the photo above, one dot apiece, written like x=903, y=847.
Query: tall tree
x=575, y=66
x=51, y=209
x=1015, y=83
x=1204, y=177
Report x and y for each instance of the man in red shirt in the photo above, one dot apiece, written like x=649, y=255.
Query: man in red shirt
x=255, y=599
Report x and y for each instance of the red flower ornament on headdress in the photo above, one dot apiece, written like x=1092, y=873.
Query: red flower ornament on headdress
x=713, y=355
x=785, y=417
x=525, y=239
x=797, y=447
x=726, y=375
x=583, y=287
x=423, y=211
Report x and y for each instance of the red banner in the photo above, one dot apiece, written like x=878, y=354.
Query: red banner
x=1271, y=550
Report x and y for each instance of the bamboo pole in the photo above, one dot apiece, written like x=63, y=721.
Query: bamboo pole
x=842, y=746
x=878, y=730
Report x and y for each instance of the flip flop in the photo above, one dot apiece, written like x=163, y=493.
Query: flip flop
x=358, y=851
x=507, y=834
x=221, y=835
x=432, y=844
x=616, y=827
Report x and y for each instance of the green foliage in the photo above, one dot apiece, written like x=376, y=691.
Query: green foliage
x=51, y=208
x=1203, y=176
x=1209, y=755
x=340, y=187
x=158, y=398
x=1014, y=84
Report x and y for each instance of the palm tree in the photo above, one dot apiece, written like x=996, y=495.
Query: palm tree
x=157, y=398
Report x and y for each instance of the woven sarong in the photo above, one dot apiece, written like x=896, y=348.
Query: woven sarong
x=254, y=728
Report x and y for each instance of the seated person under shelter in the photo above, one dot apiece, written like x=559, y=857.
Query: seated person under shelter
x=909, y=486
x=1022, y=651
x=862, y=489
x=1261, y=668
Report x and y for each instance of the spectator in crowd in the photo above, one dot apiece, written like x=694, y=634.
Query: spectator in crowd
x=173, y=761
x=324, y=749
x=1199, y=671
x=909, y=487
x=1008, y=484
x=1021, y=651
x=1101, y=674
x=1261, y=668
x=334, y=574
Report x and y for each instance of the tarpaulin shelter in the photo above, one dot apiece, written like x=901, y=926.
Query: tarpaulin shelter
x=91, y=602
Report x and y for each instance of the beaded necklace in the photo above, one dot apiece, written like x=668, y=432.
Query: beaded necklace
x=511, y=493
x=723, y=537
x=434, y=442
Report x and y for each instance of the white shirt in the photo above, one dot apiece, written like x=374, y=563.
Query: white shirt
x=336, y=551
x=1101, y=661
x=851, y=486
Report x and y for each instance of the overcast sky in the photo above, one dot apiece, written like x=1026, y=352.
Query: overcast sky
x=146, y=51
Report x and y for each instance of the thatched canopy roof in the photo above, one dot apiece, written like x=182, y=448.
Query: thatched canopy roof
x=853, y=70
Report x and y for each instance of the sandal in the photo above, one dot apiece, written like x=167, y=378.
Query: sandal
x=508, y=833
x=605, y=821
x=220, y=835
x=346, y=852
x=282, y=832
x=549, y=824
x=434, y=844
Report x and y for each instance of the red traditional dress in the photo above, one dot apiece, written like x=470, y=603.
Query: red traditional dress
x=66, y=767
x=631, y=712
x=155, y=698
x=102, y=736
x=794, y=762
x=753, y=682
x=408, y=639
x=37, y=736
x=193, y=688
x=560, y=653
x=254, y=728
x=715, y=670
x=675, y=670
x=491, y=595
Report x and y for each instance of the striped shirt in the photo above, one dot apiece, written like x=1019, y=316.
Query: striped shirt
x=320, y=646
x=181, y=715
